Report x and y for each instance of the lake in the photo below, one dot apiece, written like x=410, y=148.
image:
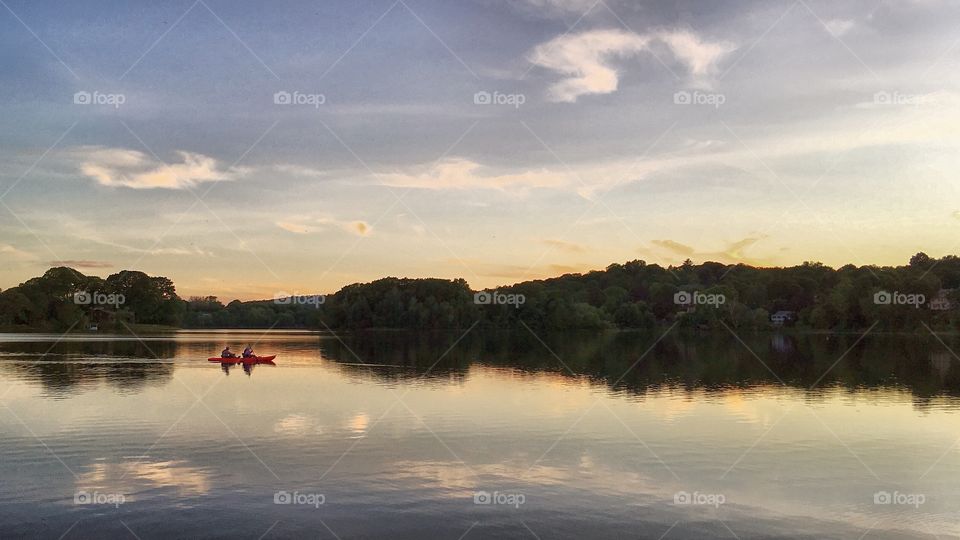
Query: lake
x=483, y=435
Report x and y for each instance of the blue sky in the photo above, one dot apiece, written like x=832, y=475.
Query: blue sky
x=760, y=132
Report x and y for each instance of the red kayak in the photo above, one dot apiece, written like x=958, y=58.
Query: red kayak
x=241, y=360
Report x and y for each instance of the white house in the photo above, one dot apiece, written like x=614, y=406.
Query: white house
x=941, y=302
x=781, y=317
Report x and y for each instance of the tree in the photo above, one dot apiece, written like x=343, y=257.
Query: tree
x=153, y=300
x=920, y=260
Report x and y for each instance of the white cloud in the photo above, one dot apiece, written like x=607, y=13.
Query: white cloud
x=839, y=27
x=297, y=228
x=300, y=170
x=308, y=225
x=459, y=173
x=699, y=56
x=586, y=58
x=134, y=169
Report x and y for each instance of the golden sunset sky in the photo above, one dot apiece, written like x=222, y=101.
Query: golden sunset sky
x=245, y=149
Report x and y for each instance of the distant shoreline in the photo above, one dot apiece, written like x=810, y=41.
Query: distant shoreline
x=151, y=329
x=921, y=296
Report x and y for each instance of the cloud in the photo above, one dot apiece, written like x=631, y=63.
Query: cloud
x=298, y=228
x=458, y=173
x=11, y=253
x=493, y=274
x=675, y=247
x=839, y=27
x=119, y=167
x=72, y=263
x=733, y=253
x=195, y=250
x=307, y=225
x=586, y=58
x=700, y=57
x=562, y=245
x=735, y=250
x=361, y=228
x=300, y=170
x=90, y=233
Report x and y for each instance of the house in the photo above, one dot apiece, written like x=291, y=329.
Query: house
x=782, y=317
x=942, y=302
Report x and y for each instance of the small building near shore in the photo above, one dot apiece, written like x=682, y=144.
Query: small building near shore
x=941, y=302
x=782, y=317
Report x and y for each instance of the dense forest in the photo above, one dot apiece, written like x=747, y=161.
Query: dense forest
x=630, y=295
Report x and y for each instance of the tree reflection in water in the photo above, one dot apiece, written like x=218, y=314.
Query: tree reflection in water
x=631, y=362
x=638, y=362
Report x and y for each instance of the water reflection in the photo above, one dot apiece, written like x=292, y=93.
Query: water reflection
x=67, y=366
x=130, y=478
x=597, y=438
x=638, y=363
x=634, y=363
x=246, y=367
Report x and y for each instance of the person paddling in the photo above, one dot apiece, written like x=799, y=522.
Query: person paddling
x=248, y=352
x=226, y=353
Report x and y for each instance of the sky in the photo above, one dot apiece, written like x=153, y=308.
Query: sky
x=246, y=149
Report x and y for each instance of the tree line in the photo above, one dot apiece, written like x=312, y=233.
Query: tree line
x=637, y=295
x=632, y=295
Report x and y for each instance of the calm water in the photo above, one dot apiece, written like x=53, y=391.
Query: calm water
x=771, y=437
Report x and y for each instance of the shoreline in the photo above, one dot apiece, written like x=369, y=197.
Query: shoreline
x=162, y=329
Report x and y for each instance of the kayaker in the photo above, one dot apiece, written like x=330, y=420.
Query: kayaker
x=248, y=352
x=225, y=353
